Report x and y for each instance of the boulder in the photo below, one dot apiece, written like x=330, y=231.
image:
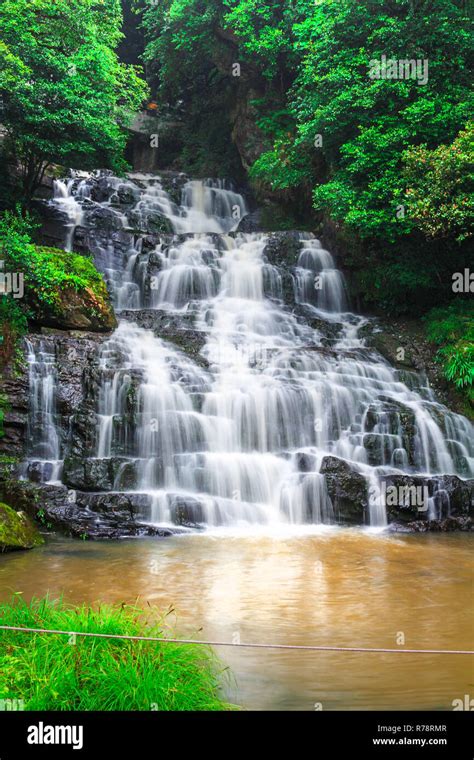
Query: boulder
x=452, y=498
x=347, y=489
x=16, y=530
x=83, y=515
x=103, y=218
x=283, y=248
x=104, y=474
x=186, y=511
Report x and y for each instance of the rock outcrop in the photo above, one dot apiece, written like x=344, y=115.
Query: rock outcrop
x=17, y=531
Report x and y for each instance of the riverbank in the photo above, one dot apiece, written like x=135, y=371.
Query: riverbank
x=54, y=672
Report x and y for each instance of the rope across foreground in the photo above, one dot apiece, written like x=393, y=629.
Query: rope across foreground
x=297, y=647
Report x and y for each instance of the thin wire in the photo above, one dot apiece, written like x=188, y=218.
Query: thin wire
x=305, y=647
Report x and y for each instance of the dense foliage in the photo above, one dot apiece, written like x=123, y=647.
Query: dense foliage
x=66, y=98
x=379, y=152
x=452, y=329
x=439, y=187
x=66, y=673
x=329, y=121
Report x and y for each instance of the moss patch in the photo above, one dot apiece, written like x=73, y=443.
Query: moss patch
x=16, y=530
x=61, y=289
x=75, y=296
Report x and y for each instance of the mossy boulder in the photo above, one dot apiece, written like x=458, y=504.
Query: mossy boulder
x=77, y=297
x=82, y=310
x=62, y=289
x=16, y=530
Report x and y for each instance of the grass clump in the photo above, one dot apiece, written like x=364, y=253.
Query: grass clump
x=54, y=672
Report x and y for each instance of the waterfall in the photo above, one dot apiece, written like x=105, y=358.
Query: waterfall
x=240, y=437
x=68, y=203
x=318, y=281
x=44, y=450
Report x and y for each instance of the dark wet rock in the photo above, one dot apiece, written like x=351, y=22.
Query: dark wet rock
x=103, y=218
x=283, y=248
x=99, y=474
x=150, y=221
x=15, y=388
x=186, y=511
x=446, y=525
x=54, y=224
x=305, y=462
x=37, y=501
x=329, y=331
x=125, y=195
x=452, y=499
x=251, y=222
x=173, y=183
x=395, y=419
x=100, y=188
x=405, y=499
x=105, y=246
x=38, y=471
x=114, y=516
x=347, y=490
x=81, y=242
x=74, y=353
x=86, y=516
x=83, y=435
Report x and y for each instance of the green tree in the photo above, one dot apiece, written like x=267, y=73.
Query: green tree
x=188, y=59
x=440, y=182
x=66, y=97
x=366, y=123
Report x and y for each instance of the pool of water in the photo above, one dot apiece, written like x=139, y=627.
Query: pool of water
x=334, y=587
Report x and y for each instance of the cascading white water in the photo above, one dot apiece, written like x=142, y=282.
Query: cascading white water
x=209, y=206
x=44, y=450
x=318, y=281
x=67, y=202
x=227, y=441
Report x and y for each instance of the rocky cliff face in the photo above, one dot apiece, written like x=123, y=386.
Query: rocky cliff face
x=73, y=351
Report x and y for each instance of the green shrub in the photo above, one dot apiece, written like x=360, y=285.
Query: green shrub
x=452, y=329
x=54, y=672
x=61, y=289
x=13, y=326
x=47, y=271
x=440, y=198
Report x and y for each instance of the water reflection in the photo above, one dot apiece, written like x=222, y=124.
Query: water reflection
x=346, y=588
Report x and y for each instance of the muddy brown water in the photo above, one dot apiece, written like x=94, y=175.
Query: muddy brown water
x=334, y=587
